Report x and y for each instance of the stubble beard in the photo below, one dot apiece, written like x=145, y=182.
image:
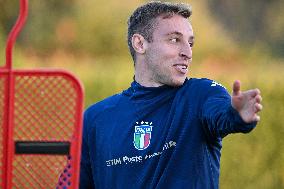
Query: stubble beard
x=166, y=77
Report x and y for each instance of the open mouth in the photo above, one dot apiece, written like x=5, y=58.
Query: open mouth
x=181, y=68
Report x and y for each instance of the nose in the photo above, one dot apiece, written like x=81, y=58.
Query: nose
x=186, y=51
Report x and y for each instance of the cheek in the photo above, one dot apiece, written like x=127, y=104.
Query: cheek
x=165, y=53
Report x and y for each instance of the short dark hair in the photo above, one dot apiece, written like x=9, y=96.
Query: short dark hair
x=142, y=21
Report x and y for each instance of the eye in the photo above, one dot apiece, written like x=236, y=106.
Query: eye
x=174, y=40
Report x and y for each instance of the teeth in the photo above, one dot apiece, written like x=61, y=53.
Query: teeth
x=181, y=68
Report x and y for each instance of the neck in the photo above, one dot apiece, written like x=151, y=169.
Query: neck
x=143, y=76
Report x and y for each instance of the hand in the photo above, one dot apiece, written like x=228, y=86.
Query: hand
x=247, y=103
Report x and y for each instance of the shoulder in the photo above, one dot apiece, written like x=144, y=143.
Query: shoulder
x=96, y=109
x=204, y=87
x=203, y=83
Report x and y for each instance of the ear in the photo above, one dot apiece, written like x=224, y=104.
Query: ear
x=139, y=43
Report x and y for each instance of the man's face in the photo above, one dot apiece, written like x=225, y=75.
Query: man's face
x=169, y=54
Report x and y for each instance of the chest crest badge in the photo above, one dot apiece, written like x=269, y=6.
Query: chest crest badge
x=142, y=135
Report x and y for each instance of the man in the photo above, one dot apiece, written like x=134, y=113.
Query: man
x=165, y=131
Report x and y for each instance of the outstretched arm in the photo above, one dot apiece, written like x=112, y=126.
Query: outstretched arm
x=247, y=103
x=222, y=114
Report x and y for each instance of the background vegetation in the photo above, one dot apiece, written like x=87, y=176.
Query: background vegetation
x=234, y=40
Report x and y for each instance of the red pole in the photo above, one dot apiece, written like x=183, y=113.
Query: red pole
x=15, y=31
x=8, y=130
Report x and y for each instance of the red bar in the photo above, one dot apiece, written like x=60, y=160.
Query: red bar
x=15, y=31
x=10, y=96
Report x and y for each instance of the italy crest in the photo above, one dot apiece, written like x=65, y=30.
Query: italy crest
x=142, y=135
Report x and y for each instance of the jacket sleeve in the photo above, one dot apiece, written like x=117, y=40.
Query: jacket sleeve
x=219, y=117
x=86, y=178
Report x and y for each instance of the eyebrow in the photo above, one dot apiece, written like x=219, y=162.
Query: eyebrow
x=180, y=34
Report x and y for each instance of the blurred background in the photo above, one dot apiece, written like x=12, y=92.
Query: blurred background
x=234, y=40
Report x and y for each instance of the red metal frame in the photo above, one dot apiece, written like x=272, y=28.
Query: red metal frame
x=7, y=138
x=15, y=32
x=11, y=79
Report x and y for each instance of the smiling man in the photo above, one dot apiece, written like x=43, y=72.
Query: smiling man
x=164, y=60
x=165, y=130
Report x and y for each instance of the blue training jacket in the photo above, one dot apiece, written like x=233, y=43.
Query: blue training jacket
x=158, y=137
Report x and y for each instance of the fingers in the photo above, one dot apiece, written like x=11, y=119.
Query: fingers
x=252, y=93
x=236, y=87
x=256, y=118
x=258, y=107
x=258, y=98
x=255, y=92
x=247, y=103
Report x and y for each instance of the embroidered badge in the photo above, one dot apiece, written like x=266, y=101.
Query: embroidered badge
x=142, y=135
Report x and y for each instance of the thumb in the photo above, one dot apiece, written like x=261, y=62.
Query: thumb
x=236, y=87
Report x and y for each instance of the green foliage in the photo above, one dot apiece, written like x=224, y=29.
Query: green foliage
x=252, y=22
x=256, y=160
x=41, y=31
x=73, y=25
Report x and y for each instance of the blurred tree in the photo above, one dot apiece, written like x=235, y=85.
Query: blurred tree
x=8, y=14
x=252, y=22
x=70, y=25
x=73, y=25
x=43, y=19
x=106, y=23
